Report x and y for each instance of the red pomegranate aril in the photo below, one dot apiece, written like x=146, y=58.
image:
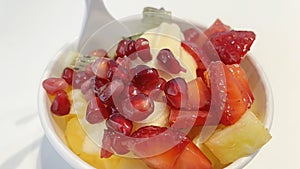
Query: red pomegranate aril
x=61, y=104
x=53, y=85
x=137, y=108
x=96, y=111
x=124, y=62
x=98, y=53
x=176, y=92
x=146, y=76
x=118, y=73
x=130, y=91
x=68, y=75
x=130, y=49
x=106, y=151
x=111, y=110
x=119, y=143
x=121, y=48
x=119, y=123
x=79, y=78
x=98, y=83
x=168, y=62
x=143, y=49
x=110, y=93
x=141, y=44
x=100, y=67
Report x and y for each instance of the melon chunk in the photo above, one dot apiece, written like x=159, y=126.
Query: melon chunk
x=243, y=138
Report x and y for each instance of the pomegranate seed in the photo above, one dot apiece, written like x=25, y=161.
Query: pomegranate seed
x=141, y=44
x=121, y=49
x=138, y=107
x=124, y=62
x=130, y=49
x=61, y=104
x=156, y=92
x=176, y=92
x=106, y=145
x=100, y=67
x=119, y=123
x=97, y=84
x=89, y=70
x=168, y=62
x=148, y=131
x=119, y=143
x=111, y=110
x=143, y=49
x=146, y=76
x=98, y=53
x=79, y=78
x=111, y=92
x=96, y=111
x=53, y=85
x=68, y=75
x=118, y=73
x=85, y=86
x=130, y=90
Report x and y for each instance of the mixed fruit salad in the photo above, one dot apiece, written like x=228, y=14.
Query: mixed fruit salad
x=166, y=99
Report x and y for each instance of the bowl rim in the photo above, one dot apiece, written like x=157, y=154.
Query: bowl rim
x=75, y=161
x=63, y=150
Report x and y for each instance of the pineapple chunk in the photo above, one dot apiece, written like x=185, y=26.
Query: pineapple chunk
x=127, y=163
x=239, y=140
x=75, y=135
x=81, y=145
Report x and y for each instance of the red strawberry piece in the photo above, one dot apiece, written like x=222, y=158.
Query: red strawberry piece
x=240, y=75
x=192, y=158
x=158, y=147
x=231, y=46
x=53, y=85
x=61, y=104
x=227, y=92
x=187, y=119
x=216, y=27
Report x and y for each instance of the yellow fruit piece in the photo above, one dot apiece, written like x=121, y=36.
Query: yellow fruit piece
x=239, y=140
x=62, y=121
x=75, y=136
x=130, y=163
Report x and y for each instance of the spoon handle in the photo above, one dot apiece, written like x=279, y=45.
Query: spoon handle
x=96, y=15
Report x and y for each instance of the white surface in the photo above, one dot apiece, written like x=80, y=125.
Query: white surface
x=32, y=31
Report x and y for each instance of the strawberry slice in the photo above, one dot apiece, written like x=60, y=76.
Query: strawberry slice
x=236, y=102
x=231, y=46
x=192, y=158
x=216, y=27
x=184, y=155
x=195, y=35
x=151, y=145
x=187, y=119
x=240, y=75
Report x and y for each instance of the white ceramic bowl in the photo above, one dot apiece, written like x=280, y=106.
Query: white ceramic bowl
x=263, y=105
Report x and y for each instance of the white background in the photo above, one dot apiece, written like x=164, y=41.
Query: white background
x=32, y=31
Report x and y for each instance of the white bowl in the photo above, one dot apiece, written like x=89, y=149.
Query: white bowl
x=263, y=105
